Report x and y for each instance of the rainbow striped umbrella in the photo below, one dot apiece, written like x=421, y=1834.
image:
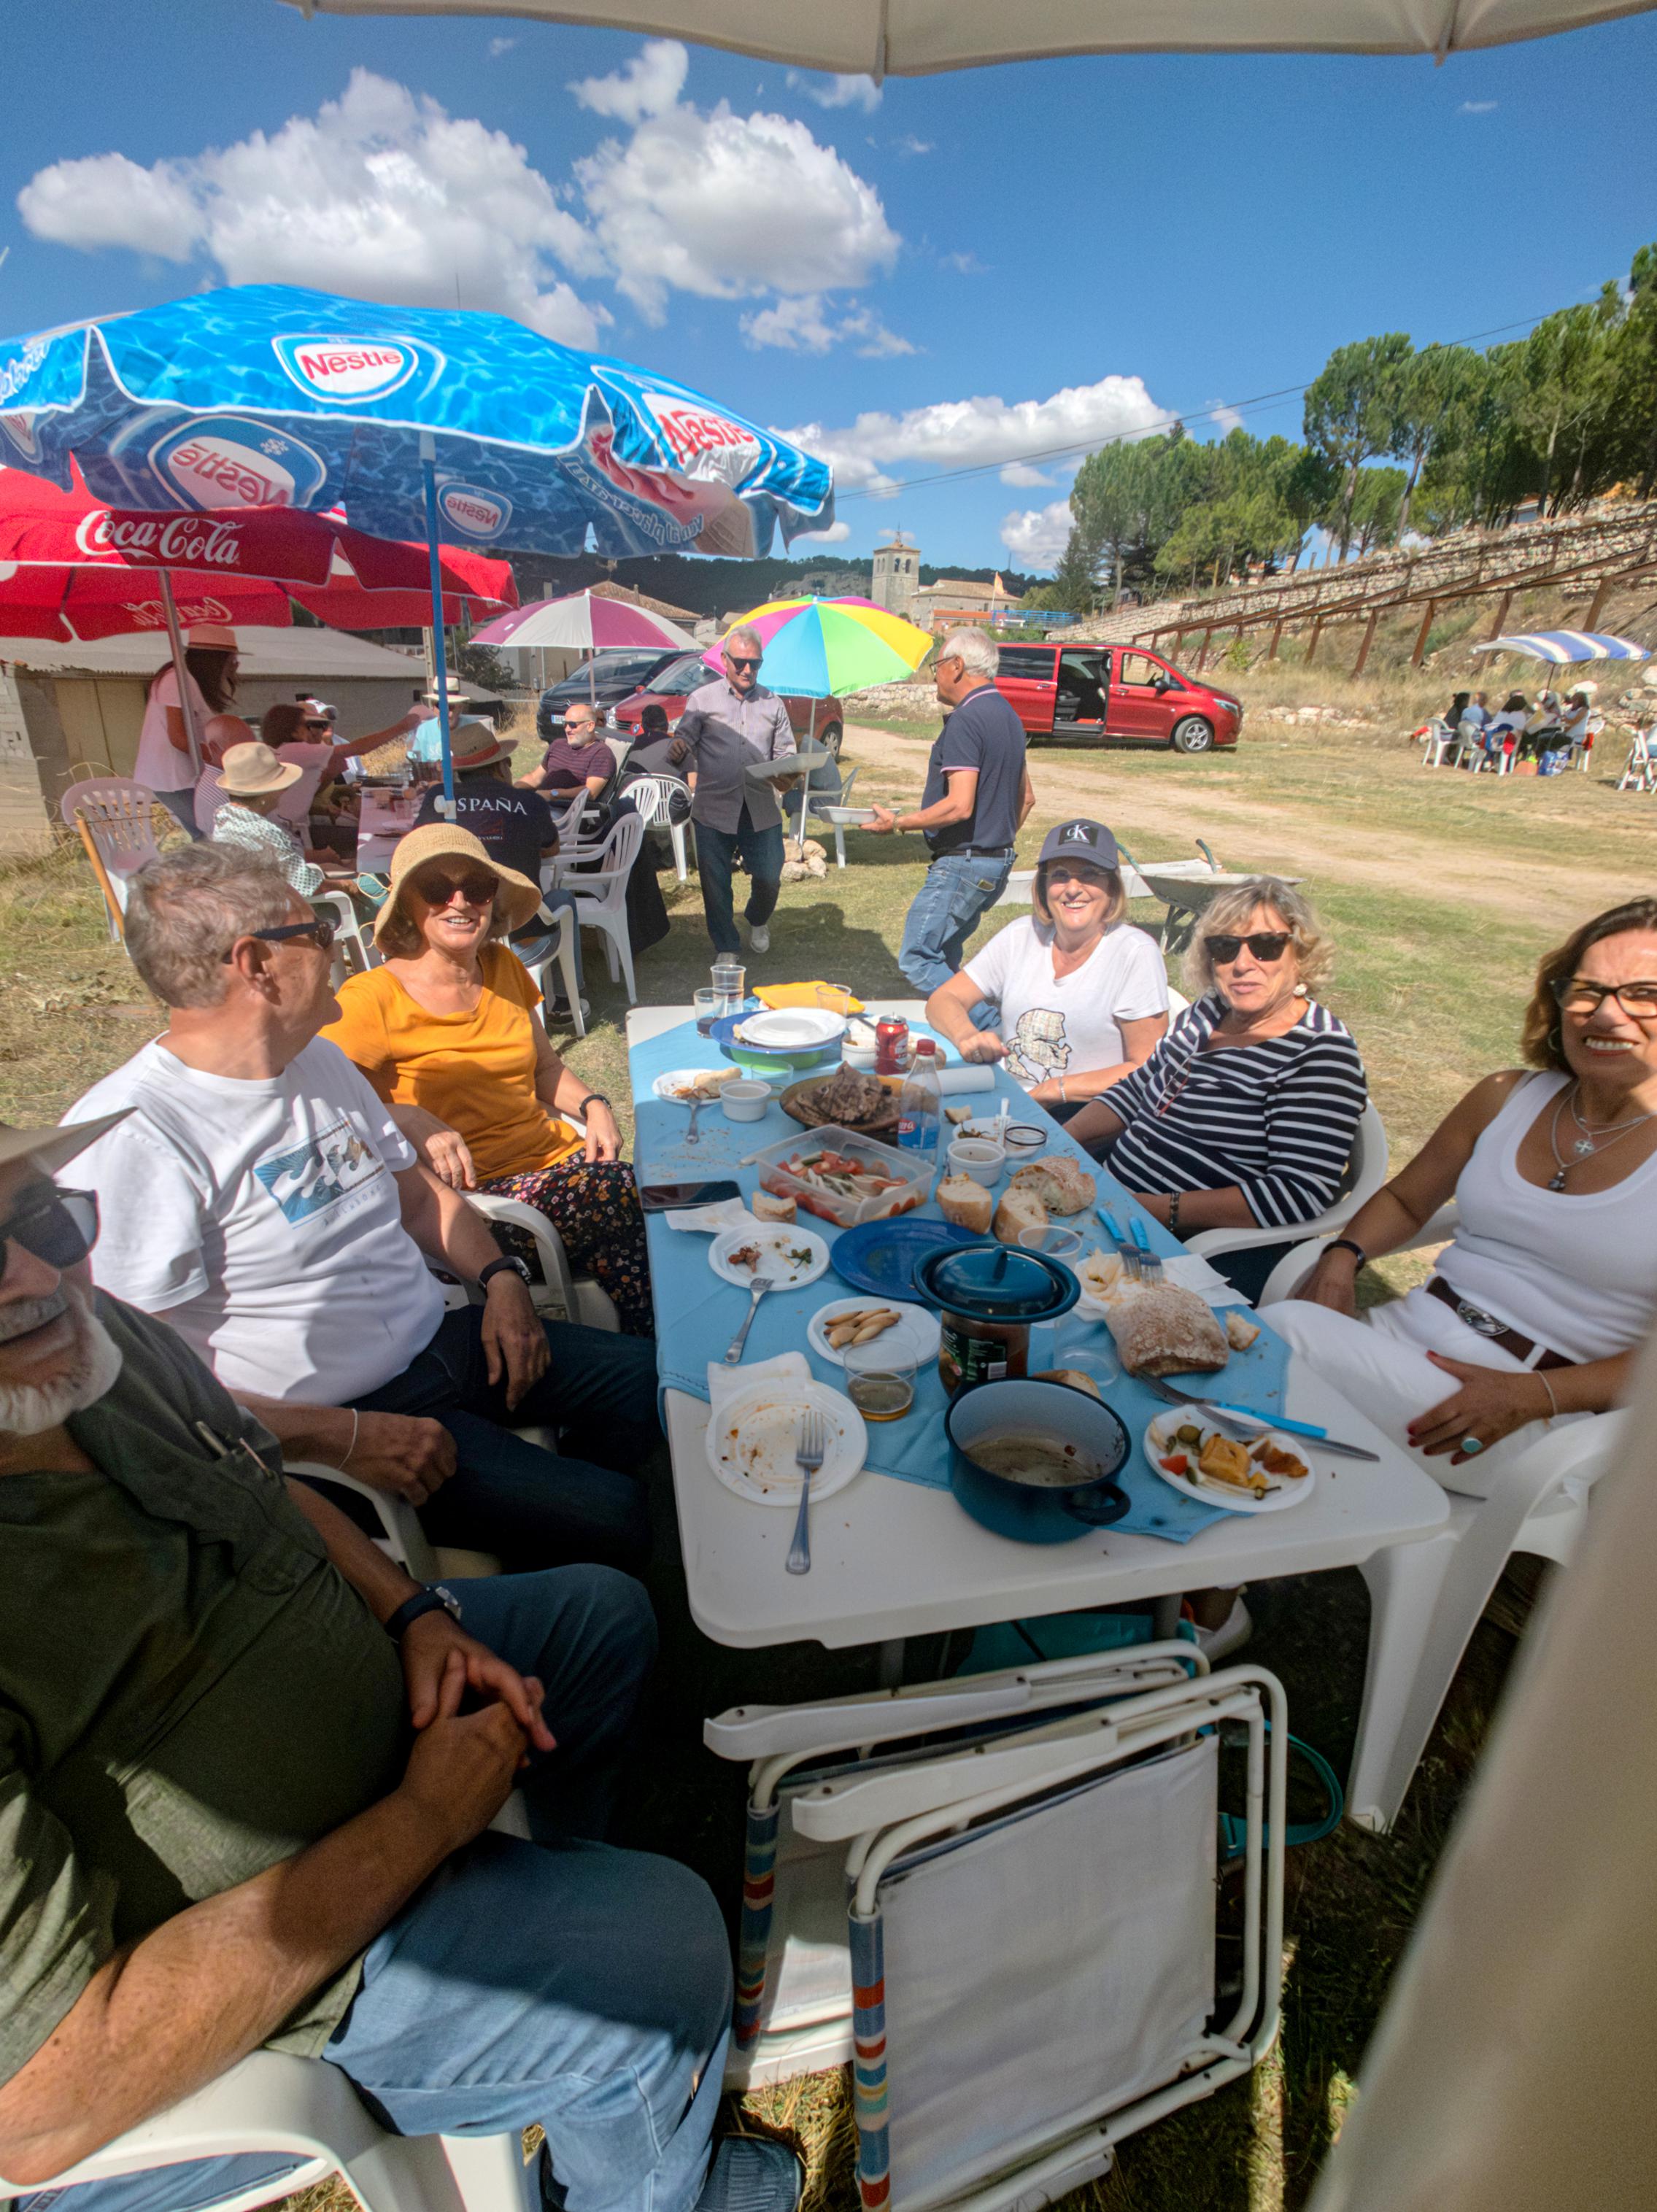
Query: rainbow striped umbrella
x=822, y=648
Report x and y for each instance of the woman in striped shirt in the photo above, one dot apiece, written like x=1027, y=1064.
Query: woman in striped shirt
x=1245, y=1114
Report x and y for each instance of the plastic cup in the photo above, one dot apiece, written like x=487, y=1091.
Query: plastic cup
x=881, y=1374
x=1057, y=1244
x=709, y=1007
x=834, y=998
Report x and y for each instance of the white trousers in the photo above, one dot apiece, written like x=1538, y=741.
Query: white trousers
x=1380, y=1363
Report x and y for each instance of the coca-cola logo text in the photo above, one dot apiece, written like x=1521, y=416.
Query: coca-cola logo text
x=172, y=541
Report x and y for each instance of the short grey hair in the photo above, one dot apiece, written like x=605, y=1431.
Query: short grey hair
x=185, y=909
x=733, y=637
x=977, y=650
x=1228, y=914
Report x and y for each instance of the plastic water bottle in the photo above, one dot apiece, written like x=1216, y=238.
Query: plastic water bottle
x=920, y=1105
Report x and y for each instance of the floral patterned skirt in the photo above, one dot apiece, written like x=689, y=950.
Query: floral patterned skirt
x=594, y=1207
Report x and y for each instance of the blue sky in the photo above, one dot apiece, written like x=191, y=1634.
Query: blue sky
x=939, y=275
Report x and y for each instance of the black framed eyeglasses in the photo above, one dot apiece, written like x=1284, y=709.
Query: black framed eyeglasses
x=1576, y=994
x=1266, y=944
x=320, y=930
x=57, y=1226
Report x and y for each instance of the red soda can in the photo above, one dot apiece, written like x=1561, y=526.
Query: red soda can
x=891, y=1046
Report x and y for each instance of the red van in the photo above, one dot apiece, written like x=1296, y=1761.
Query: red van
x=1093, y=694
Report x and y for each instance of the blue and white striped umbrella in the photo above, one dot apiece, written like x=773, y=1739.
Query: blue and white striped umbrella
x=1565, y=645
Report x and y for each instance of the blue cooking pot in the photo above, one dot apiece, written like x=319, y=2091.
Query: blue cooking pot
x=1057, y=1412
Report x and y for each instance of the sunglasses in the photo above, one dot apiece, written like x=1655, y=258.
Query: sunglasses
x=1266, y=944
x=438, y=890
x=320, y=723
x=322, y=933
x=741, y=660
x=60, y=1227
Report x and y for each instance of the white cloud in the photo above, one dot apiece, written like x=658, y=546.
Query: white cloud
x=805, y=325
x=1478, y=107
x=836, y=534
x=963, y=264
x=984, y=432
x=1037, y=537
x=908, y=144
x=649, y=85
x=1227, y=418
x=839, y=91
x=1021, y=474
x=380, y=196
x=499, y=46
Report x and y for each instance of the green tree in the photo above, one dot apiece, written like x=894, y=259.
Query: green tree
x=1351, y=411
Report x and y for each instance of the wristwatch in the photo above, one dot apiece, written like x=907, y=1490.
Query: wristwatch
x=519, y=1268
x=433, y=1598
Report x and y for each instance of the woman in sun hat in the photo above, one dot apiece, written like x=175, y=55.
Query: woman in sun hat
x=448, y=1031
x=252, y=781
x=163, y=762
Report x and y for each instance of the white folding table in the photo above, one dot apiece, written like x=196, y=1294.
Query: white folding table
x=893, y=1559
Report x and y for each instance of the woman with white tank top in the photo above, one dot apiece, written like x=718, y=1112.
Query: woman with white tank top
x=1549, y=1288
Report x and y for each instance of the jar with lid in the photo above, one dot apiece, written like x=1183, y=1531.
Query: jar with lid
x=988, y=1297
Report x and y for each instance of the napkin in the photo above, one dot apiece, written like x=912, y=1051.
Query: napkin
x=722, y=1380
x=1193, y=1272
x=727, y=1213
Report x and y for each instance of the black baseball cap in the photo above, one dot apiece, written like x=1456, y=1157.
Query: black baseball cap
x=1080, y=840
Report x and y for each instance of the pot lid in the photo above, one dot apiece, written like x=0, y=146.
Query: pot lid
x=996, y=1283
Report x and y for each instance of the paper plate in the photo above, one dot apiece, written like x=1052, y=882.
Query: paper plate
x=879, y=1257
x=751, y=1441
x=917, y=1324
x=776, y=1243
x=1294, y=1491
x=671, y=1087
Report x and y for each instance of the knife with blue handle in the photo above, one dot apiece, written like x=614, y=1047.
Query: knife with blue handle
x=1321, y=1438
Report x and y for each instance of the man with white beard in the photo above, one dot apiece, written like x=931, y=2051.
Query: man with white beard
x=233, y=1754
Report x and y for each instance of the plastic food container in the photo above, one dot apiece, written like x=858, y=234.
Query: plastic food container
x=988, y=1297
x=902, y=1180
x=745, y=1101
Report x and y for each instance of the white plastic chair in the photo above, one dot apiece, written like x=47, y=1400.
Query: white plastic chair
x=1639, y=769
x=577, y=1298
x=995, y=1895
x=562, y=950
x=601, y=893
x=653, y=796
x=307, y=2108
x=1436, y=742
x=1366, y=1173
x=353, y=952
x=812, y=805
x=116, y=811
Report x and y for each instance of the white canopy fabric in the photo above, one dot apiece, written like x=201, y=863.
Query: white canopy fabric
x=916, y=38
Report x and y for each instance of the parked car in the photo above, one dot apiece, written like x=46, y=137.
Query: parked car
x=1096, y=694
x=816, y=719
x=613, y=675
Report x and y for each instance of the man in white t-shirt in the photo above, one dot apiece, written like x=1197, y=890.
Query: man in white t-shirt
x=260, y=1198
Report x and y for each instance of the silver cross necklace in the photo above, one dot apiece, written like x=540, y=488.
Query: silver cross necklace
x=1583, y=1146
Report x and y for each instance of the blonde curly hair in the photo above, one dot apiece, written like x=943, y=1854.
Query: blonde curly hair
x=1228, y=915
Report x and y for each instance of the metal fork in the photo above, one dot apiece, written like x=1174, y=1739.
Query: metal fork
x=1150, y=1267
x=691, y=1136
x=1129, y=1254
x=808, y=1459
x=757, y=1290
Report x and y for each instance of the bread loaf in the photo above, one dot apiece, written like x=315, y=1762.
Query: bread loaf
x=967, y=1203
x=1059, y=1184
x=1019, y=1210
x=1161, y=1329
x=1073, y=1378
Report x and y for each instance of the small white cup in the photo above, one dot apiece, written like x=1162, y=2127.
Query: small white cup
x=977, y=1157
x=745, y=1101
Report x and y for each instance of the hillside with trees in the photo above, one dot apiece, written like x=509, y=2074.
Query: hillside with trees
x=1397, y=440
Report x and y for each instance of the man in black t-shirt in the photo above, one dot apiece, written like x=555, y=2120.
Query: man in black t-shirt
x=515, y=827
x=977, y=795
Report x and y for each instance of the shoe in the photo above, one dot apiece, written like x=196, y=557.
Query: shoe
x=752, y=2173
x=759, y=937
x=1233, y=1632
x=557, y=1010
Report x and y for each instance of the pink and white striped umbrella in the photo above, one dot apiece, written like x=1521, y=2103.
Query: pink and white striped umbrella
x=585, y=622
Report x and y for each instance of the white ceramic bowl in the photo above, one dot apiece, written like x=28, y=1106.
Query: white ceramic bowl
x=858, y=1055
x=1024, y=1140
x=745, y=1101
x=977, y=1157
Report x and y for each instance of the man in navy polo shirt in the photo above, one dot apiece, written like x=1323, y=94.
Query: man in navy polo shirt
x=977, y=795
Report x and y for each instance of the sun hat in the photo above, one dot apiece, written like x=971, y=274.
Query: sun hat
x=473, y=744
x=254, y=771
x=51, y=1149
x=453, y=691
x=430, y=843
x=1080, y=840
x=211, y=637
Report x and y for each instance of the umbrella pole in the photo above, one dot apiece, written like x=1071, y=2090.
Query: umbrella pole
x=176, y=640
x=440, y=643
x=805, y=788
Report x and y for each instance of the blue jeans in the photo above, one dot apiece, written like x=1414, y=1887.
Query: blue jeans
x=761, y=852
x=535, y=1508
x=563, y=1981
x=944, y=912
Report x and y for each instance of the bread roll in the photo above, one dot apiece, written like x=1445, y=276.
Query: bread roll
x=1059, y=1184
x=1164, y=1330
x=1071, y=1376
x=967, y=1203
x=766, y=1207
x=1017, y=1211
x=1241, y=1332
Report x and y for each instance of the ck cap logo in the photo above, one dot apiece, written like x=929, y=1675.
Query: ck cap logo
x=222, y=461
x=348, y=371
x=475, y=514
x=1077, y=833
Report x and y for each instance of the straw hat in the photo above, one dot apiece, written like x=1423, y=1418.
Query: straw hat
x=523, y=898
x=473, y=744
x=451, y=690
x=51, y=1149
x=254, y=771
x=211, y=637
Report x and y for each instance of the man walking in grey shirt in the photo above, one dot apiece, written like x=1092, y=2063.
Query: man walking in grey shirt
x=726, y=724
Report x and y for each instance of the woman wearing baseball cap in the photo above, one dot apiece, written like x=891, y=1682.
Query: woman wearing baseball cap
x=1082, y=996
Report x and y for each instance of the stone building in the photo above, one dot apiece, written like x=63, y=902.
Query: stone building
x=897, y=576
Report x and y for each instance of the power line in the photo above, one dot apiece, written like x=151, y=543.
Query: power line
x=1167, y=422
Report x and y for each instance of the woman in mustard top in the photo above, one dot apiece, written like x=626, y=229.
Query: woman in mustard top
x=448, y=1031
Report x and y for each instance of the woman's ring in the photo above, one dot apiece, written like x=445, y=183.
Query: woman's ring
x=1472, y=1444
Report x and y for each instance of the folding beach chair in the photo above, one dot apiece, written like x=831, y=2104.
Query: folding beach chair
x=996, y=1898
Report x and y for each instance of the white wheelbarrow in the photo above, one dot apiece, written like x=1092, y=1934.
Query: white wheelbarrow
x=1185, y=888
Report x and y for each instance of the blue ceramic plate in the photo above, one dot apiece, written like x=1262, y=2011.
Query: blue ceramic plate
x=879, y=1257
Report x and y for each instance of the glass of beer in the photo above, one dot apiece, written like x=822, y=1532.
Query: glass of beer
x=880, y=1374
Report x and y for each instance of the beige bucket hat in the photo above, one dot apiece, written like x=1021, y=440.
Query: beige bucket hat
x=254, y=771
x=51, y=1149
x=431, y=842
